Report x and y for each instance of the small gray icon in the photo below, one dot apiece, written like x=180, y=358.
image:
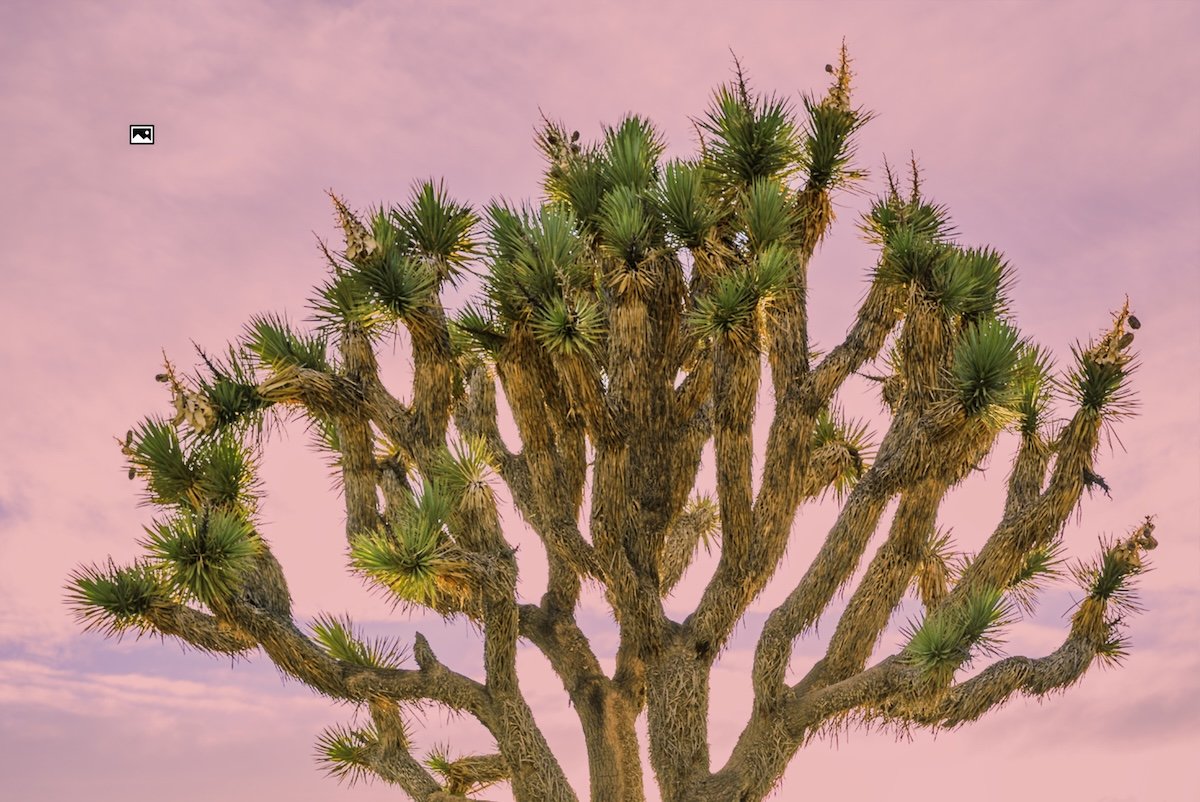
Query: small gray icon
x=141, y=134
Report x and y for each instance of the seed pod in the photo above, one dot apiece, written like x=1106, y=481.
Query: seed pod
x=1134, y=323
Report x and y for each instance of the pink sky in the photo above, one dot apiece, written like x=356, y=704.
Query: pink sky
x=1064, y=134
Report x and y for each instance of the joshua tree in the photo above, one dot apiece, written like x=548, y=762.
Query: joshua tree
x=626, y=320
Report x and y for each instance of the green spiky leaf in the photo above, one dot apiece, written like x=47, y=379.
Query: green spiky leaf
x=226, y=473
x=769, y=215
x=946, y=638
x=580, y=186
x=985, y=613
x=344, y=300
x=853, y=437
x=1041, y=565
x=828, y=142
x=921, y=219
x=271, y=339
x=113, y=600
x=730, y=309
x=749, y=138
x=157, y=454
x=569, y=328
x=972, y=282
x=1101, y=385
x=1109, y=578
x=625, y=227
x=440, y=229
x=342, y=642
x=478, y=331
x=984, y=367
x=683, y=202
x=1034, y=389
x=465, y=471
x=631, y=152
x=205, y=554
x=415, y=559
x=399, y=285
x=345, y=753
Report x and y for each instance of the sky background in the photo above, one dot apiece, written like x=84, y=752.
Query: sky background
x=1064, y=134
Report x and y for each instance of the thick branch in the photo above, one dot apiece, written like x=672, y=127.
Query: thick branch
x=606, y=713
x=736, y=379
x=788, y=351
x=992, y=687
x=433, y=382
x=906, y=458
x=553, y=495
x=1029, y=526
x=683, y=538
x=786, y=465
x=1028, y=474
x=199, y=629
x=886, y=579
x=390, y=757
x=477, y=416
x=299, y=656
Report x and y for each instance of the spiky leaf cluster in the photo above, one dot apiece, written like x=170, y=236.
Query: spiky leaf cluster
x=344, y=298
x=394, y=272
x=985, y=367
x=214, y=472
x=414, y=557
x=828, y=141
x=270, y=338
x=1041, y=565
x=464, y=474
x=849, y=444
x=769, y=216
x=749, y=137
x=439, y=230
x=227, y=387
x=683, y=200
x=732, y=308
x=112, y=600
x=1034, y=389
x=1107, y=578
x=345, y=753
x=205, y=555
x=904, y=222
x=343, y=642
x=631, y=152
x=1111, y=595
x=1099, y=379
x=534, y=257
x=947, y=639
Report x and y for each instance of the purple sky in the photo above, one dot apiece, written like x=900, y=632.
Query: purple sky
x=1063, y=134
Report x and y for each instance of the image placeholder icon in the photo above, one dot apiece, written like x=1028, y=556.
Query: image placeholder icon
x=141, y=134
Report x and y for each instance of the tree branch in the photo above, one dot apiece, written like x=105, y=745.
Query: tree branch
x=786, y=465
x=199, y=629
x=887, y=577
